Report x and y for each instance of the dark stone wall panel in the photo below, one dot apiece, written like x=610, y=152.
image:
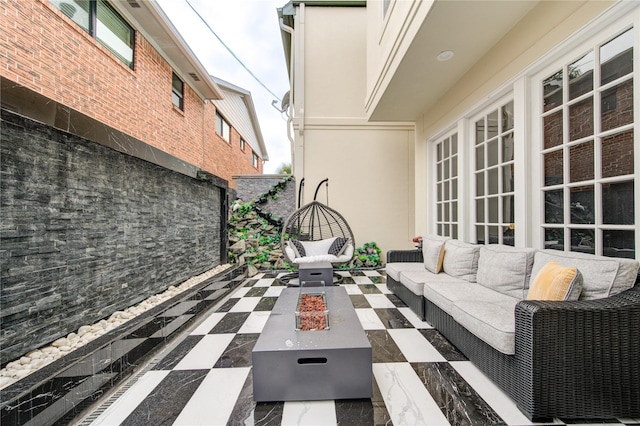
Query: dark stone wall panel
x=87, y=230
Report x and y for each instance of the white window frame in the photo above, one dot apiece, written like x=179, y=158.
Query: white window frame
x=224, y=128
x=569, y=53
x=525, y=88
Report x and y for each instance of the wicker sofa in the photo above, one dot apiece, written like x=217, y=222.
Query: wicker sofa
x=565, y=359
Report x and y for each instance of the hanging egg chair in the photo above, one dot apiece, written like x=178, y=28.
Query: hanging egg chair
x=316, y=234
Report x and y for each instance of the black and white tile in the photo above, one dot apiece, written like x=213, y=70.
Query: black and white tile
x=419, y=377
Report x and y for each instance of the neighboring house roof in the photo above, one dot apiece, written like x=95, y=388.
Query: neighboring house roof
x=237, y=107
x=157, y=28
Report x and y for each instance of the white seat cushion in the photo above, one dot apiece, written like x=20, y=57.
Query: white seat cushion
x=505, y=269
x=394, y=269
x=446, y=293
x=493, y=322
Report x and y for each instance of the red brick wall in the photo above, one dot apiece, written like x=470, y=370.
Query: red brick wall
x=42, y=49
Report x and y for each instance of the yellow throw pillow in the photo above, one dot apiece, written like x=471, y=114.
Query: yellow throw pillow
x=556, y=282
x=441, y=259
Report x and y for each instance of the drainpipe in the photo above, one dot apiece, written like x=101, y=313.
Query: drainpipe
x=289, y=30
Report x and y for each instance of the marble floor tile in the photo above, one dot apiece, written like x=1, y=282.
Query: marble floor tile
x=164, y=404
x=238, y=353
x=414, y=346
x=489, y=391
x=241, y=292
x=170, y=360
x=172, y=326
x=309, y=413
x=246, y=304
x=355, y=412
x=381, y=286
x=256, y=292
x=255, y=322
x=363, y=280
x=383, y=347
x=379, y=301
x=207, y=325
x=352, y=289
x=265, y=282
x=406, y=398
x=369, y=289
x=206, y=353
x=117, y=412
x=413, y=318
x=226, y=306
x=359, y=301
x=369, y=319
x=179, y=309
x=213, y=401
x=273, y=291
x=446, y=349
x=392, y=318
x=266, y=304
x=231, y=323
x=371, y=273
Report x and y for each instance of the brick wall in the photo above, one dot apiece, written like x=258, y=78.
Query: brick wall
x=87, y=230
x=45, y=51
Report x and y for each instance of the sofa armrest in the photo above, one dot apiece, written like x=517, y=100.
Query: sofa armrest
x=580, y=357
x=404, y=256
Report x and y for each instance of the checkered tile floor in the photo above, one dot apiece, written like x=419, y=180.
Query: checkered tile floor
x=419, y=377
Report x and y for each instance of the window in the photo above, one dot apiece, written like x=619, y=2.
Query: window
x=242, y=144
x=255, y=160
x=222, y=127
x=494, y=176
x=588, y=151
x=177, y=91
x=447, y=186
x=103, y=23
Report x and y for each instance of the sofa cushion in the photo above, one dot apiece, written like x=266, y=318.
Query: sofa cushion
x=602, y=276
x=461, y=260
x=414, y=280
x=433, y=252
x=505, y=269
x=556, y=282
x=446, y=292
x=493, y=322
x=395, y=268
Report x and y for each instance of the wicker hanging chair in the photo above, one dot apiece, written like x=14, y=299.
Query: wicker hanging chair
x=322, y=226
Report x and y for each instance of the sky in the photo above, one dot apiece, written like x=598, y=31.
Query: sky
x=251, y=30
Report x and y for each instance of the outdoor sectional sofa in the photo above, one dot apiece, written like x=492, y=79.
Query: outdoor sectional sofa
x=566, y=359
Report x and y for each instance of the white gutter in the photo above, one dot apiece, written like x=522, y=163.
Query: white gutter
x=289, y=30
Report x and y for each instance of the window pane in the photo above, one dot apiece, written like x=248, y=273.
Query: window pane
x=219, y=124
x=445, y=146
x=617, y=106
x=581, y=76
x=553, y=91
x=554, y=206
x=583, y=240
x=618, y=204
x=581, y=119
x=454, y=189
x=492, y=125
x=439, y=176
x=480, y=234
x=480, y=157
x=493, y=234
x=553, y=168
x=446, y=210
x=440, y=191
x=581, y=161
x=492, y=152
x=493, y=209
x=439, y=208
x=507, y=116
x=480, y=183
x=553, y=130
x=507, y=178
x=480, y=210
x=507, y=209
x=479, y=131
x=439, y=149
x=454, y=166
x=454, y=232
x=446, y=169
x=454, y=144
x=446, y=190
x=508, y=236
x=440, y=229
x=507, y=147
x=492, y=176
x=619, y=243
x=554, y=239
x=616, y=57
x=617, y=154
x=454, y=211
x=77, y=10
x=114, y=33
x=582, y=204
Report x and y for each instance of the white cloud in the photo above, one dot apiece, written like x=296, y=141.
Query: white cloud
x=250, y=29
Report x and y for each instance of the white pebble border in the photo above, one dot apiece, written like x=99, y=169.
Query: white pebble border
x=34, y=360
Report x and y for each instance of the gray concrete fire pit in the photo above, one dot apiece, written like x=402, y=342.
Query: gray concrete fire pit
x=290, y=365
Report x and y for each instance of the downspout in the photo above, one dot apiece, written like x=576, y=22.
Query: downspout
x=289, y=30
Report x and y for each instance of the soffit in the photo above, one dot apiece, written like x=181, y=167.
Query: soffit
x=154, y=24
x=469, y=29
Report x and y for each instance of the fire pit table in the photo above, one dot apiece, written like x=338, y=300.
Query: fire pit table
x=296, y=365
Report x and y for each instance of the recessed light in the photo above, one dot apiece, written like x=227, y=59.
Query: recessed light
x=445, y=55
